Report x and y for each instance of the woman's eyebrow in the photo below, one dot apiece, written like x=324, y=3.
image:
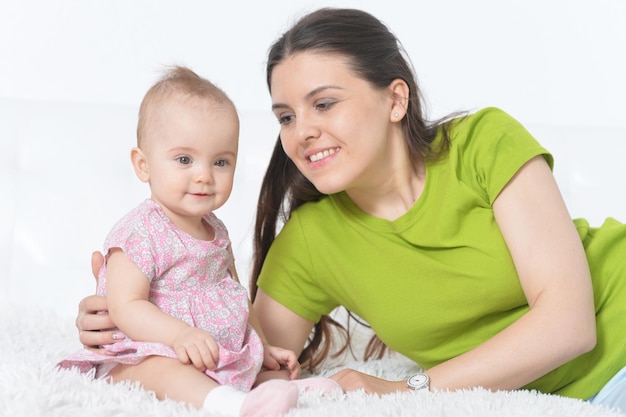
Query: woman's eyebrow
x=310, y=94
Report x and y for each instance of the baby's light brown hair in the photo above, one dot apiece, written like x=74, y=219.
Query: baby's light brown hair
x=182, y=84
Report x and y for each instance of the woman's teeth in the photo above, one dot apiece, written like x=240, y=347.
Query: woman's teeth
x=321, y=155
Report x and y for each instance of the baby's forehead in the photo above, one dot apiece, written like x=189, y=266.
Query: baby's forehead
x=171, y=114
x=161, y=109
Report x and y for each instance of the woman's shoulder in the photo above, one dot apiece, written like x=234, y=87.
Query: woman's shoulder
x=489, y=126
x=488, y=116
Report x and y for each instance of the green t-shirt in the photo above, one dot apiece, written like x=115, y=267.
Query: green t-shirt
x=439, y=280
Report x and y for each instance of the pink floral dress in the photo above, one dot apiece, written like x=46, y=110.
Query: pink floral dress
x=190, y=279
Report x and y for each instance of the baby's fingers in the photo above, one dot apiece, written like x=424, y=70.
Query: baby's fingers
x=271, y=363
x=294, y=370
x=285, y=358
x=181, y=354
x=210, y=354
x=289, y=360
x=197, y=357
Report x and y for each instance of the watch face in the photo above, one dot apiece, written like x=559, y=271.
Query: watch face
x=418, y=380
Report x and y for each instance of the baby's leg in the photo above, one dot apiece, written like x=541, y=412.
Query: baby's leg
x=266, y=375
x=325, y=385
x=168, y=378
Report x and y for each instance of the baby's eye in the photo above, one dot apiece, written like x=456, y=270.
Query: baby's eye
x=184, y=160
x=221, y=163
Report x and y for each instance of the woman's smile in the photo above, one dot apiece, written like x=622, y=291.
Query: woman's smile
x=319, y=156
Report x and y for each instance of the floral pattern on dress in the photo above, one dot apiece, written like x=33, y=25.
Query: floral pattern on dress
x=190, y=279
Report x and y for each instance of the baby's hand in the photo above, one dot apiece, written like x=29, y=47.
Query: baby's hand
x=196, y=346
x=276, y=358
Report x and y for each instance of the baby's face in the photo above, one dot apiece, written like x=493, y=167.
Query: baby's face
x=191, y=156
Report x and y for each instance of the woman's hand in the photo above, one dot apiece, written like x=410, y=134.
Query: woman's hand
x=95, y=330
x=351, y=380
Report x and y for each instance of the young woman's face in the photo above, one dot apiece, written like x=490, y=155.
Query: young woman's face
x=334, y=125
x=190, y=158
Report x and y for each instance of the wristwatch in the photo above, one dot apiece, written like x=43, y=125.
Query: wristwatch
x=418, y=382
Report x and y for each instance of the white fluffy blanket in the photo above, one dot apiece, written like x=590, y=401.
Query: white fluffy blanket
x=32, y=341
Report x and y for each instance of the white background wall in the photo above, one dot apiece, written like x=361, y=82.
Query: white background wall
x=554, y=61
x=72, y=74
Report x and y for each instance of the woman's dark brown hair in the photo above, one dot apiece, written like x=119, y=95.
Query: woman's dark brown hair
x=375, y=55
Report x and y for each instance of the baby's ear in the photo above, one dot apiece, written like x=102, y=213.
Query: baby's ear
x=140, y=164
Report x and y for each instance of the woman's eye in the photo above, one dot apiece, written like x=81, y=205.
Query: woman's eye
x=324, y=105
x=285, y=119
x=184, y=160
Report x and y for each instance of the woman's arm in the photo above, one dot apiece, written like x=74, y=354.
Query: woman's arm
x=553, y=271
x=554, y=274
x=281, y=326
x=275, y=357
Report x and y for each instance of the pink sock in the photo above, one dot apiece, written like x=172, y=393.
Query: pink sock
x=272, y=398
x=326, y=385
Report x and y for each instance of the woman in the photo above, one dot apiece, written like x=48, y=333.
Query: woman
x=451, y=239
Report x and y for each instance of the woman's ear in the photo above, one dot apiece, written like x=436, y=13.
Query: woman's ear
x=140, y=164
x=400, y=99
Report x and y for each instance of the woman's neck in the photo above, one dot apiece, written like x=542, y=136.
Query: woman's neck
x=395, y=193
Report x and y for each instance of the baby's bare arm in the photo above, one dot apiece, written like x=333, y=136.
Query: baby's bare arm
x=127, y=291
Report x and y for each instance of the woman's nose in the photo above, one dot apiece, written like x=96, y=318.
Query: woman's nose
x=307, y=127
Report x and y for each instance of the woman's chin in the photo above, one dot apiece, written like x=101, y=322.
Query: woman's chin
x=326, y=188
